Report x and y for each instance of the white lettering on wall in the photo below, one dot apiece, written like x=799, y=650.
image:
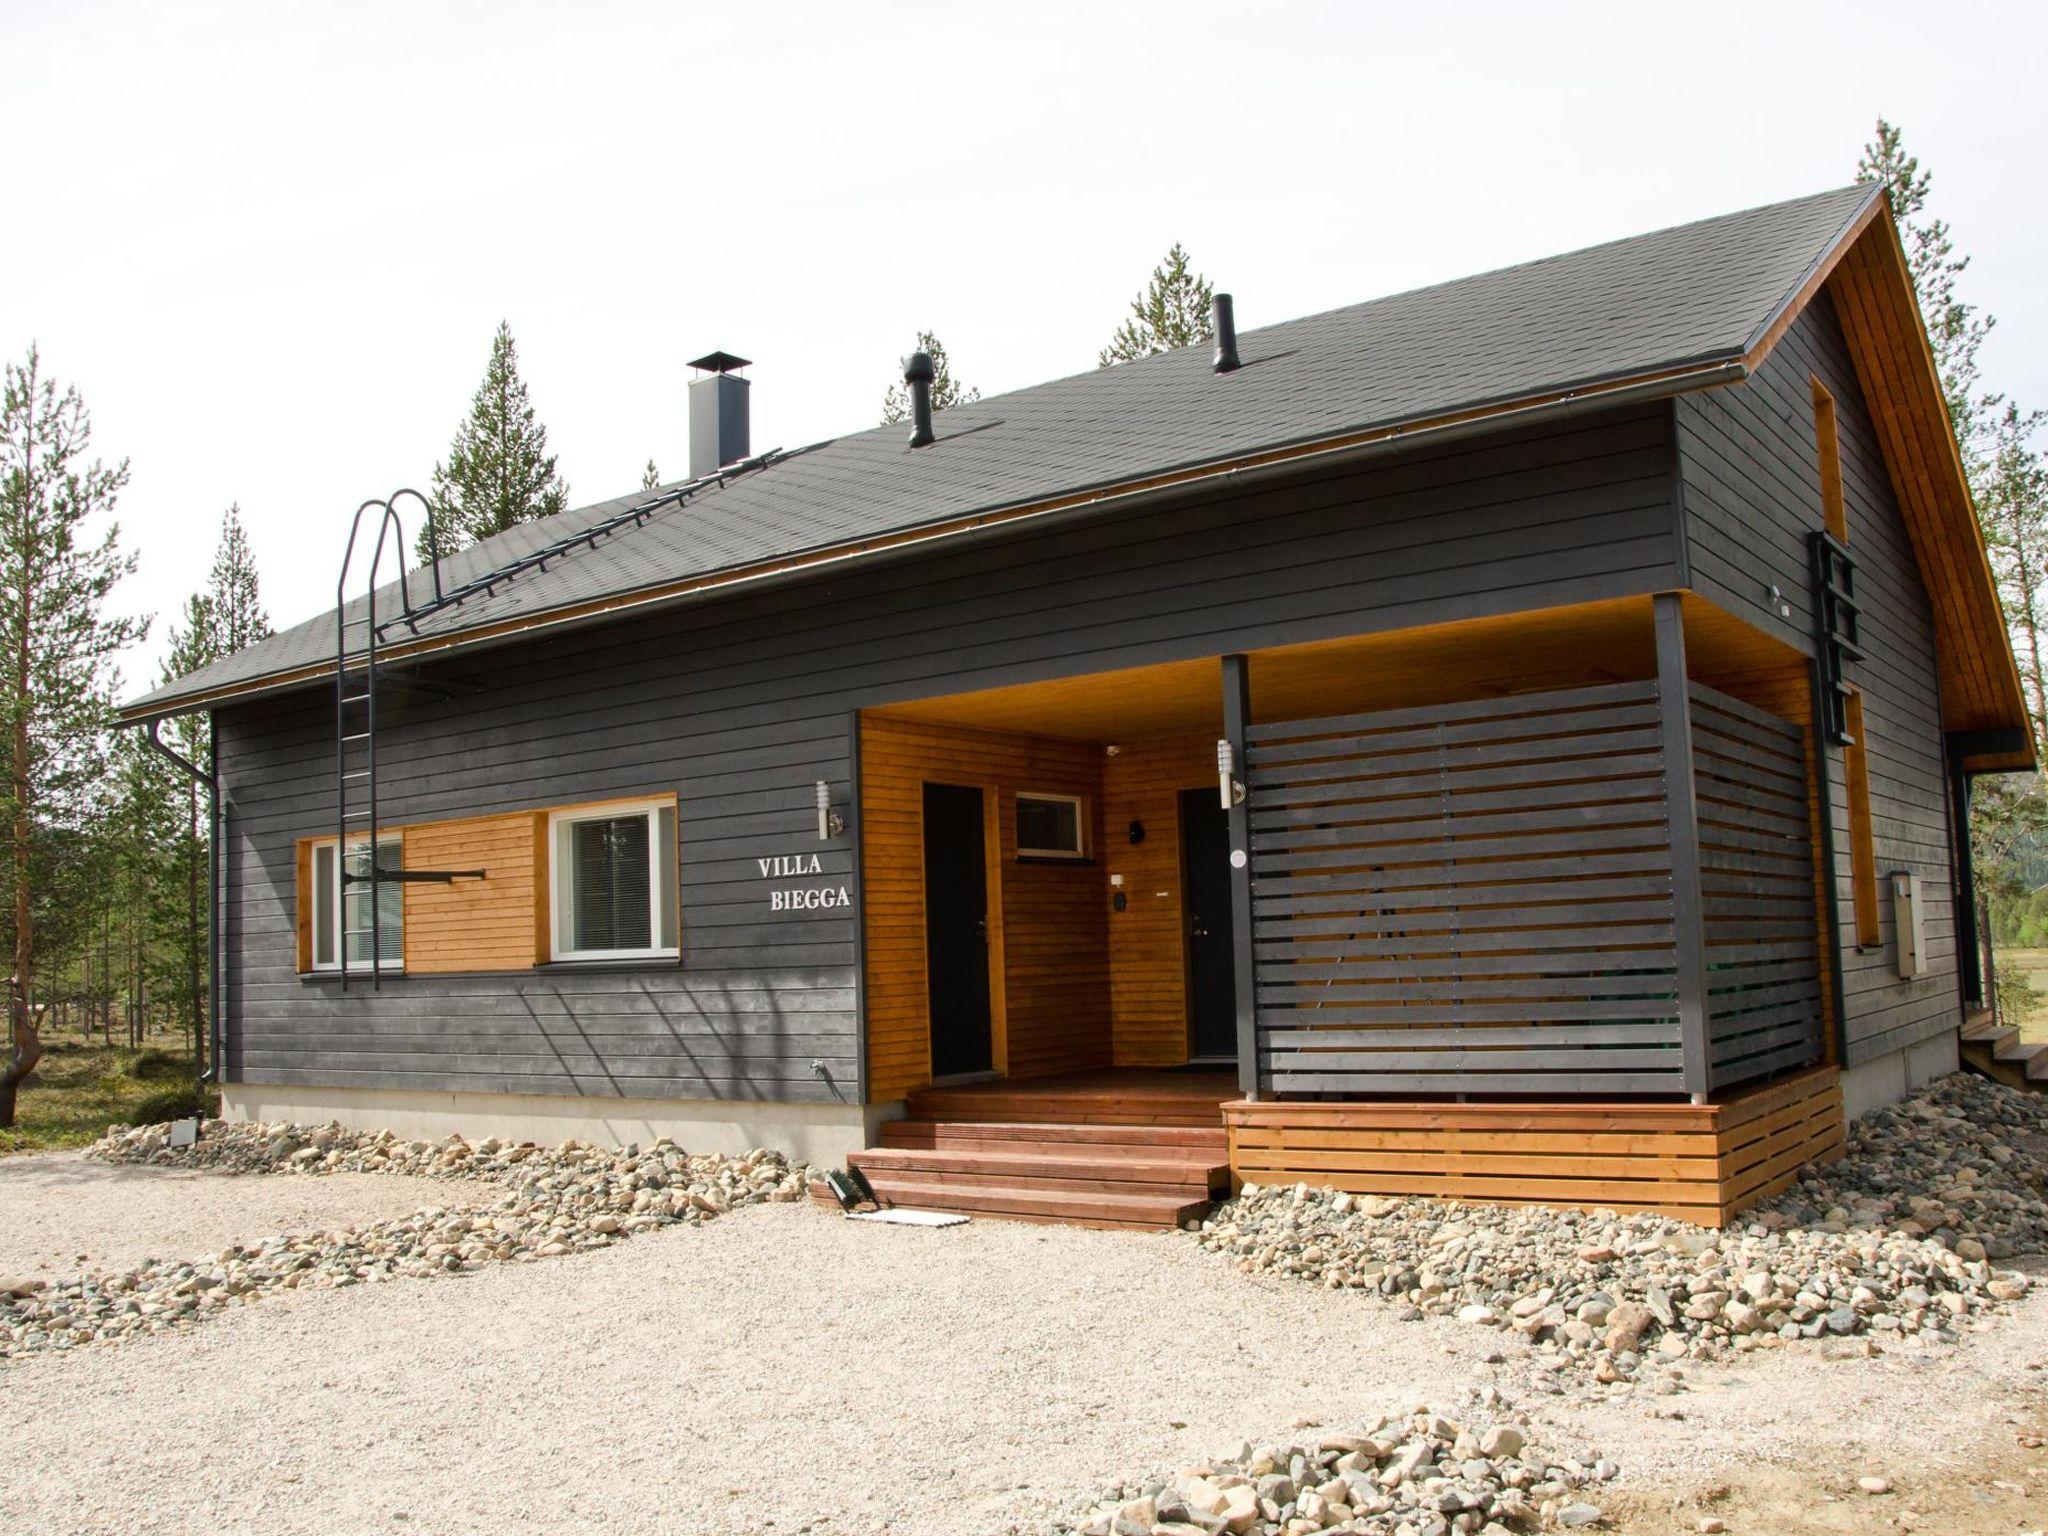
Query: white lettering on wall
x=809, y=899
x=794, y=866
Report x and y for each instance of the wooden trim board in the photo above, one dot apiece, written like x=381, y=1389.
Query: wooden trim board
x=1703, y=1163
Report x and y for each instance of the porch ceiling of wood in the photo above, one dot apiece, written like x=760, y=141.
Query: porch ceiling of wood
x=1522, y=653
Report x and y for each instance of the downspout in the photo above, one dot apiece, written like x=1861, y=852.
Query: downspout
x=209, y=778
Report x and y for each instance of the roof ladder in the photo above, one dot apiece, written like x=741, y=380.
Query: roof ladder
x=356, y=675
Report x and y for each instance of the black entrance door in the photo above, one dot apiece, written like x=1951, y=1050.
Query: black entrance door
x=956, y=930
x=1205, y=901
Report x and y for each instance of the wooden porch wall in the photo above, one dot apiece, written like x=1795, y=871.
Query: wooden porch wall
x=1467, y=897
x=1048, y=942
x=1700, y=1162
x=1147, y=948
x=1764, y=994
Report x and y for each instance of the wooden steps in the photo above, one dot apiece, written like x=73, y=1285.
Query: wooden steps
x=1996, y=1051
x=1120, y=1150
x=1097, y=1175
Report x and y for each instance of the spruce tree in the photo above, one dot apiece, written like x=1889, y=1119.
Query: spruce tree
x=58, y=643
x=499, y=472
x=650, y=477
x=947, y=391
x=1173, y=311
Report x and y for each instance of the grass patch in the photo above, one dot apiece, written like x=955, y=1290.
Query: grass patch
x=77, y=1090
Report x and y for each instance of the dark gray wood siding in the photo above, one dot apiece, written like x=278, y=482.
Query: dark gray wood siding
x=738, y=706
x=1751, y=473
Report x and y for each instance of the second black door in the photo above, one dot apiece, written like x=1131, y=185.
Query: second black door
x=1205, y=900
x=956, y=930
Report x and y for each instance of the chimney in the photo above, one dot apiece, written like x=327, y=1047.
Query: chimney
x=718, y=414
x=918, y=373
x=1223, y=320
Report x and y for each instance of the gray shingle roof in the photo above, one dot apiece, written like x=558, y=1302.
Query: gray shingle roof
x=1694, y=295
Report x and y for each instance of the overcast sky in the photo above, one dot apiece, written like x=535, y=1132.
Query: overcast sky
x=270, y=243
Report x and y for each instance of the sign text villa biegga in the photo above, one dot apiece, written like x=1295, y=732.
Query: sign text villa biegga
x=801, y=898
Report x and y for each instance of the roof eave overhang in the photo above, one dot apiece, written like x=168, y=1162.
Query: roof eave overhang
x=1706, y=372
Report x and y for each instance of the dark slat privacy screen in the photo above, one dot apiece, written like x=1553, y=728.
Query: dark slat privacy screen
x=1477, y=897
x=609, y=887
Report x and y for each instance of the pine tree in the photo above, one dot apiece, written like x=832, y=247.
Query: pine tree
x=1173, y=311
x=1955, y=330
x=2012, y=503
x=57, y=650
x=650, y=477
x=499, y=472
x=947, y=391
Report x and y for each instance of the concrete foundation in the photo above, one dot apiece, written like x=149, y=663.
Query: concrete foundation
x=822, y=1134
x=1890, y=1078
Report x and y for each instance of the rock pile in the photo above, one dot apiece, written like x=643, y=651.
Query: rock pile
x=1425, y=1475
x=1896, y=1240
x=556, y=1200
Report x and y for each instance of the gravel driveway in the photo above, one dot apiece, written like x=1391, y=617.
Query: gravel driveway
x=782, y=1370
x=62, y=1213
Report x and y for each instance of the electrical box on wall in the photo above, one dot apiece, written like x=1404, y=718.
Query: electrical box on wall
x=1906, y=923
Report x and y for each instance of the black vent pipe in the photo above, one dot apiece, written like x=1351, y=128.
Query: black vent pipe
x=918, y=373
x=1223, y=321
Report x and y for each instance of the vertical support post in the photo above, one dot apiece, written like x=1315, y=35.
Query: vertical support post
x=1969, y=942
x=1681, y=817
x=1237, y=715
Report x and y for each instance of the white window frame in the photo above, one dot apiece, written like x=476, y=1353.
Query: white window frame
x=338, y=924
x=559, y=873
x=1077, y=853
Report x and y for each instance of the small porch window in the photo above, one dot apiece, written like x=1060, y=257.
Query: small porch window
x=613, y=882
x=342, y=916
x=1051, y=826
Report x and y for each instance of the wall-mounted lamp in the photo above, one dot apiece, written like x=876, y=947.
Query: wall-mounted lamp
x=830, y=822
x=1228, y=785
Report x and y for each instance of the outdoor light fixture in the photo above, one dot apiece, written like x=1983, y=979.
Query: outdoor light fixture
x=830, y=822
x=1227, y=783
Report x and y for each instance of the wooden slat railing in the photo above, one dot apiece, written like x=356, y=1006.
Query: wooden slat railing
x=1471, y=897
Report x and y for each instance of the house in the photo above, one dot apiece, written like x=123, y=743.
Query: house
x=1508, y=739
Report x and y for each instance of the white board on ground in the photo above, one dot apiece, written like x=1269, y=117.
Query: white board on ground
x=909, y=1218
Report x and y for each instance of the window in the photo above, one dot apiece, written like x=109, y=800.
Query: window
x=1049, y=827
x=1862, y=850
x=1833, y=515
x=614, y=882
x=342, y=913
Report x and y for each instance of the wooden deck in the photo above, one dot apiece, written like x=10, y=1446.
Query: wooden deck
x=1701, y=1162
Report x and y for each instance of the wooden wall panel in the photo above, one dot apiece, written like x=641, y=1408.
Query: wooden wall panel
x=1147, y=941
x=476, y=925
x=1048, y=934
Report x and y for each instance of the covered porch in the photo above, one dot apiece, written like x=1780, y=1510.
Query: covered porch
x=1557, y=866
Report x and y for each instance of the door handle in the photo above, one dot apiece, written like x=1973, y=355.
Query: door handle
x=1200, y=929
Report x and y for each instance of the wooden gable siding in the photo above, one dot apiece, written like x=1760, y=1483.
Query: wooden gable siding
x=1048, y=944
x=739, y=706
x=1750, y=467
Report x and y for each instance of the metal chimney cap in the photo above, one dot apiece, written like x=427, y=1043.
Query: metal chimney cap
x=720, y=362
x=919, y=369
